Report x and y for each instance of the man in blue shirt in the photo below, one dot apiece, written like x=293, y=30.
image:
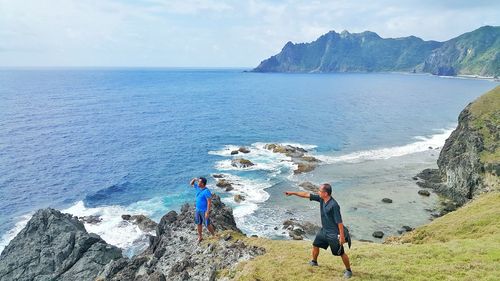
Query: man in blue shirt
x=332, y=233
x=203, y=204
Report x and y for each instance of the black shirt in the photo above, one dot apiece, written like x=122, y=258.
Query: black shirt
x=330, y=214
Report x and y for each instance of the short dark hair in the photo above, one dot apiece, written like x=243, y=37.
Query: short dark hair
x=203, y=180
x=327, y=188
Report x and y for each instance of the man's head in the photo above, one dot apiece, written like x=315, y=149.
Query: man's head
x=202, y=182
x=325, y=190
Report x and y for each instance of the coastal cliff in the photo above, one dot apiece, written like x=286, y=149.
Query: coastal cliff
x=469, y=163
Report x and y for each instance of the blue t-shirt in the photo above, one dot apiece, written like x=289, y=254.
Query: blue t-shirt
x=202, y=194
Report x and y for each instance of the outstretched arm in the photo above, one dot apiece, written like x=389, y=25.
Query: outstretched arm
x=299, y=194
x=192, y=181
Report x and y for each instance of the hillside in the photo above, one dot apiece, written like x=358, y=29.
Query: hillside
x=462, y=245
x=472, y=53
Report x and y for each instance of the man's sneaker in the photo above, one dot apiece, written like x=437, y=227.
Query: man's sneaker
x=313, y=263
x=347, y=274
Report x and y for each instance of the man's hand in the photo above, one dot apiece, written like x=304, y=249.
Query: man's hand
x=206, y=214
x=342, y=240
x=192, y=181
x=299, y=194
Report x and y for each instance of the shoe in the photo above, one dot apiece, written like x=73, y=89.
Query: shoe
x=313, y=263
x=347, y=274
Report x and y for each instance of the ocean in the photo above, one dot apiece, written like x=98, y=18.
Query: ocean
x=126, y=141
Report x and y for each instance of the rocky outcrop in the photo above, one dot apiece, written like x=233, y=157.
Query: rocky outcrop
x=469, y=162
x=298, y=229
x=174, y=253
x=241, y=163
x=305, y=163
x=144, y=223
x=55, y=246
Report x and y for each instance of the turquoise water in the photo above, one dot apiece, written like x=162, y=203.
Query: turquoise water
x=108, y=141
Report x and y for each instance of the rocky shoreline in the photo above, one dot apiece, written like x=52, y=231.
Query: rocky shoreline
x=56, y=246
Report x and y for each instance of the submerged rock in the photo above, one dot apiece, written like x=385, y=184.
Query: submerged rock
x=55, y=246
x=243, y=150
x=238, y=198
x=91, y=219
x=378, y=234
x=387, y=200
x=144, y=223
x=424, y=192
x=309, y=186
x=241, y=163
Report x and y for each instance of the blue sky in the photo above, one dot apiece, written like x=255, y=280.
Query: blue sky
x=195, y=33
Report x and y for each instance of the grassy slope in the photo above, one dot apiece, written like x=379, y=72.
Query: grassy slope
x=485, y=118
x=462, y=245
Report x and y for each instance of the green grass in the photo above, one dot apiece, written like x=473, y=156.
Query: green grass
x=462, y=245
x=485, y=118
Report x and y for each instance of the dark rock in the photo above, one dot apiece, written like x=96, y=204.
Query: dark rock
x=91, y=219
x=223, y=183
x=275, y=228
x=387, y=200
x=430, y=147
x=254, y=236
x=241, y=163
x=229, y=188
x=407, y=228
x=424, y=192
x=55, y=246
x=126, y=217
x=238, y=198
x=365, y=240
x=243, y=150
x=217, y=176
x=415, y=178
x=234, y=152
x=378, y=234
x=304, y=168
x=308, y=186
x=144, y=223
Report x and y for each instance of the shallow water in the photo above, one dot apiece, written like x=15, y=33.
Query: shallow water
x=106, y=141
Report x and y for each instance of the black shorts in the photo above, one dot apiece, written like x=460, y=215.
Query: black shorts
x=323, y=241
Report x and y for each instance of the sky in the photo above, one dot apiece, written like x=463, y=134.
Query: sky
x=196, y=33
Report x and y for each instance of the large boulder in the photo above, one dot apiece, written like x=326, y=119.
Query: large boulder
x=55, y=246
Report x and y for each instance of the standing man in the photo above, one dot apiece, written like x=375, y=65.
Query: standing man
x=203, y=204
x=332, y=230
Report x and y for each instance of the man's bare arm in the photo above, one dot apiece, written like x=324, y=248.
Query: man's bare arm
x=341, y=233
x=209, y=204
x=192, y=181
x=299, y=194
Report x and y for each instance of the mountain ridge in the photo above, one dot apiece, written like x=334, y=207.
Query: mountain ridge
x=472, y=53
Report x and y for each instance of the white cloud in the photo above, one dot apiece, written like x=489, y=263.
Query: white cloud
x=210, y=33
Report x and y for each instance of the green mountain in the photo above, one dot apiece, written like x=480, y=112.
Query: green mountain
x=473, y=53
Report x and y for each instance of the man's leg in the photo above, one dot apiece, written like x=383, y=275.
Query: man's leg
x=345, y=260
x=200, y=229
x=315, y=253
x=210, y=228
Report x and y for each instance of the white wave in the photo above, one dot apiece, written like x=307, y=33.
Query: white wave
x=422, y=144
x=9, y=235
x=113, y=229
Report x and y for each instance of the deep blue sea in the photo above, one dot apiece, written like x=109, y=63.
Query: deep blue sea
x=109, y=141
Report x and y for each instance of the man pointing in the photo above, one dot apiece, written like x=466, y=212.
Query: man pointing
x=332, y=232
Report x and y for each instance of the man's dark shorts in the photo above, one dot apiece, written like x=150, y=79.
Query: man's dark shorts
x=324, y=241
x=199, y=218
